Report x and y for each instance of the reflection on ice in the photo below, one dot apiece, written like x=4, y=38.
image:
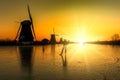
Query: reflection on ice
x=26, y=60
x=76, y=62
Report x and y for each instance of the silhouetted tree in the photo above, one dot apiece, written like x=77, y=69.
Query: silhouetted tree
x=115, y=37
x=45, y=41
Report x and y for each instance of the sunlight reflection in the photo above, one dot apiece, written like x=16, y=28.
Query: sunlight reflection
x=77, y=62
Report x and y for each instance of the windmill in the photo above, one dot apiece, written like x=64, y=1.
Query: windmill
x=53, y=38
x=26, y=31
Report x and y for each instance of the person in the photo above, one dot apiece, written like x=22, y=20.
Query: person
x=63, y=49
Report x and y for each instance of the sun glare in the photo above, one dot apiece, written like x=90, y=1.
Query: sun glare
x=81, y=42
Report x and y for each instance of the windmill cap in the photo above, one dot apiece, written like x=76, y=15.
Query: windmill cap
x=26, y=22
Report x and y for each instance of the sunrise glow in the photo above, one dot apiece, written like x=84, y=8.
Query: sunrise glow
x=72, y=22
x=81, y=42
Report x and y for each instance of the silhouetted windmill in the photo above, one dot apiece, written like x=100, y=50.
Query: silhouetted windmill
x=53, y=38
x=26, y=31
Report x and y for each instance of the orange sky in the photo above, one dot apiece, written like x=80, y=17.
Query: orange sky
x=74, y=22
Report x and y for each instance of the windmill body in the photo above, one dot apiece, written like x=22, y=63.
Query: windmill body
x=26, y=32
x=53, y=39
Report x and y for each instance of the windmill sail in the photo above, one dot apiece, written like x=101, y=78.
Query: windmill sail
x=53, y=30
x=18, y=32
x=31, y=22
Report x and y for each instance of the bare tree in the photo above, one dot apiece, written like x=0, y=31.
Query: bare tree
x=115, y=37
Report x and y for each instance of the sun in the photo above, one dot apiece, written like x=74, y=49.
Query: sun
x=81, y=42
